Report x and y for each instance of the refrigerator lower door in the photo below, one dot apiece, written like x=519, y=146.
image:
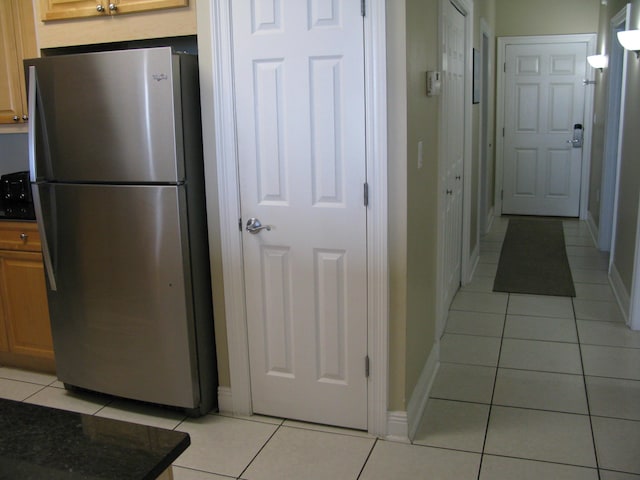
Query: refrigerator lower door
x=122, y=313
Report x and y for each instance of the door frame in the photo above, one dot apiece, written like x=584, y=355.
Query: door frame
x=612, y=156
x=485, y=210
x=465, y=7
x=216, y=61
x=590, y=39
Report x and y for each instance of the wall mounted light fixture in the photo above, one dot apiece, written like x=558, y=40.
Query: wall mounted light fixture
x=630, y=40
x=598, y=61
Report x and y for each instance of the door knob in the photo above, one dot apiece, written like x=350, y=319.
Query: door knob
x=254, y=226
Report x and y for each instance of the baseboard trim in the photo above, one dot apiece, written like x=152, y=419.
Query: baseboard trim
x=418, y=401
x=490, y=218
x=225, y=400
x=475, y=260
x=620, y=292
x=397, y=427
x=593, y=230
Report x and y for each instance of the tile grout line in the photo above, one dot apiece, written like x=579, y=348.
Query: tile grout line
x=493, y=390
x=586, y=392
x=366, y=460
x=260, y=450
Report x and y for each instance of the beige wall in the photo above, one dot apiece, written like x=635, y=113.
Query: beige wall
x=422, y=187
x=546, y=17
x=630, y=166
x=397, y=172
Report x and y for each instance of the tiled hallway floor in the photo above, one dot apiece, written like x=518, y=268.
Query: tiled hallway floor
x=529, y=388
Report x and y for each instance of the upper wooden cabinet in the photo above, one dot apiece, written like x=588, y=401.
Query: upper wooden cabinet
x=18, y=41
x=64, y=9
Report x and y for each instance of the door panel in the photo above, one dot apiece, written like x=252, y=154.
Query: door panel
x=544, y=98
x=299, y=70
x=121, y=289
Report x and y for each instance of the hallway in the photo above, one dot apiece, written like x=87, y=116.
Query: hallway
x=509, y=400
x=529, y=379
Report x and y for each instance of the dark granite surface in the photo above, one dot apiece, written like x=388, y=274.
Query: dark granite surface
x=45, y=443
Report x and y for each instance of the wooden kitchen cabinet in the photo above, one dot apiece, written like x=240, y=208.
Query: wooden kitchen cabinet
x=66, y=9
x=25, y=331
x=18, y=41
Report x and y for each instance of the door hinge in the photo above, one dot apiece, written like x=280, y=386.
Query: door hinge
x=503, y=131
x=240, y=224
x=504, y=67
x=366, y=366
x=363, y=8
x=366, y=194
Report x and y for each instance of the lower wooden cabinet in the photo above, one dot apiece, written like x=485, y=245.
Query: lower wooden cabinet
x=25, y=331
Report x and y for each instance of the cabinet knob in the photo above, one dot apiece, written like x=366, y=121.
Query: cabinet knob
x=113, y=7
x=25, y=117
x=24, y=237
x=100, y=8
x=16, y=118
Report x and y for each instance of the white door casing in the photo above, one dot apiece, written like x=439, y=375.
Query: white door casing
x=542, y=94
x=299, y=80
x=452, y=168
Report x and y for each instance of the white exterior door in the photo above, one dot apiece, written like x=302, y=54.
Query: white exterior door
x=544, y=99
x=453, y=81
x=299, y=79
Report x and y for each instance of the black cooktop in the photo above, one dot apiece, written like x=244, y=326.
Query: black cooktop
x=16, y=211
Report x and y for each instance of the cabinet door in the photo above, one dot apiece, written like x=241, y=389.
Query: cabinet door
x=24, y=304
x=17, y=32
x=10, y=93
x=61, y=9
x=130, y=6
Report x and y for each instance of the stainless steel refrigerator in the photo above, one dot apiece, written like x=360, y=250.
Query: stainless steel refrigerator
x=117, y=180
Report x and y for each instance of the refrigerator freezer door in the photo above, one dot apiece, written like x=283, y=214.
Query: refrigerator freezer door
x=121, y=317
x=110, y=117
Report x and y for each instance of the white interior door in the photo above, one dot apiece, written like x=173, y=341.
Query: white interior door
x=453, y=81
x=299, y=73
x=544, y=99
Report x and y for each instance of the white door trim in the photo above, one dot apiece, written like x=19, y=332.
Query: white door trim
x=466, y=8
x=215, y=40
x=611, y=170
x=590, y=40
x=485, y=215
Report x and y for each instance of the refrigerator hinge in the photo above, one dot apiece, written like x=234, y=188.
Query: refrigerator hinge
x=366, y=366
x=366, y=194
x=363, y=9
x=240, y=224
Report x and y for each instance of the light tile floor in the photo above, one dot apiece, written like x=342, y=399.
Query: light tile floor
x=529, y=388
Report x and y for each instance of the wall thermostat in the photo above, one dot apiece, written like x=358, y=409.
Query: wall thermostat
x=433, y=83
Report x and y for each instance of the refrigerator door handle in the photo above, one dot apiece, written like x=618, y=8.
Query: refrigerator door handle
x=31, y=135
x=37, y=204
x=46, y=253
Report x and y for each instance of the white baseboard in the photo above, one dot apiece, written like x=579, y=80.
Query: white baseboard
x=397, y=427
x=593, y=230
x=225, y=400
x=418, y=401
x=619, y=290
x=490, y=218
x=474, y=261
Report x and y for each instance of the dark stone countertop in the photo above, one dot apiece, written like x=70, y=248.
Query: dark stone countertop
x=46, y=443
